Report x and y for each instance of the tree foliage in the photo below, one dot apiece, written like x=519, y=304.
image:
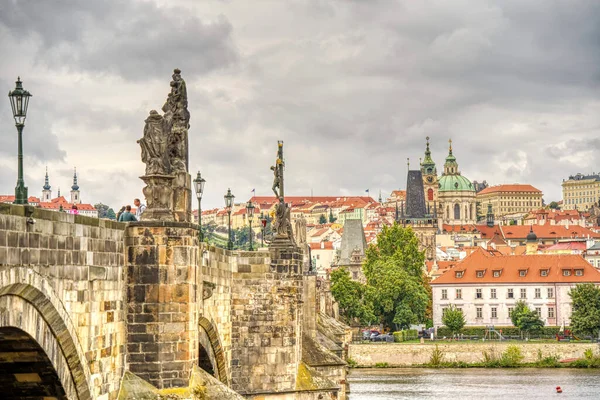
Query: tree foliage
x=525, y=319
x=110, y=214
x=322, y=219
x=332, y=219
x=553, y=205
x=585, y=319
x=454, y=319
x=396, y=286
x=352, y=297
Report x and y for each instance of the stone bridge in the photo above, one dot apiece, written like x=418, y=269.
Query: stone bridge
x=95, y=309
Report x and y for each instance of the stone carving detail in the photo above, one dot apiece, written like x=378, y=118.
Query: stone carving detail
x=164, y=149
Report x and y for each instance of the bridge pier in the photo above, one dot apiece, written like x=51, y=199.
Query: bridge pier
x=162, y=289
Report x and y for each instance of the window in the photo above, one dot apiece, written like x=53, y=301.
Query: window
x=522, y=272
x=494, y=312
x=566, y=272
x=444, y=311
x=444, y=294
x=550, y=312
x=523, y=293
x=538, y=311
x=578, y=272
x=478, y=294
x=544, y=272
x=538, y=293
x=459, y=294
x=479, y=312
x=480, y=274
x=492, y=293
x=510, y=310
x=510, y=294
x=550, y=293
x=496, y=274
x=459, y=274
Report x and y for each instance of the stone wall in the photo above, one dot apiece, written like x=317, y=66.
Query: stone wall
x=70, y=269
x=162, y=296
x=397, y=354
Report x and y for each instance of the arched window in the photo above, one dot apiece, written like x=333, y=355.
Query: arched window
x=430, y=195
x=456, y=212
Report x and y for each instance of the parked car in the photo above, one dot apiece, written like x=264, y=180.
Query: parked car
x=386, y=337
x=367, y=333
x=374, y=334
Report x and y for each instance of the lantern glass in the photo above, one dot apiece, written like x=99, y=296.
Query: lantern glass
x=199, y=185
x=250, y=210
x=19, y=101
x=229, y=199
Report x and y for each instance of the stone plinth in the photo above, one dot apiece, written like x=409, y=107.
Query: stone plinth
x=162, y=333
x=182, y=197
x=159, y=195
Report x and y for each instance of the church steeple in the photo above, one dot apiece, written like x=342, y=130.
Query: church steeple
x=428, y=166
x=46, y=192
x=450, y=166
x=75, y=199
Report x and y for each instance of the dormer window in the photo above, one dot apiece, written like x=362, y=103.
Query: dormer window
x=522, y=272
x=497, y=273
x=459, y=274
x=578, y=272
x=566, y=272
x=480, y=274
x=544, y=272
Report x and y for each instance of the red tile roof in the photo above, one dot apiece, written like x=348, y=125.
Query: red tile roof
x=510, y=267
x=317, y=246
x=567, y=246
x=11, y=199
x=509, y=188
x=520, y=232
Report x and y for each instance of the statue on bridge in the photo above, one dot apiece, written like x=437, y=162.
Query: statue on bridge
x=165, y=153
x=283, y=221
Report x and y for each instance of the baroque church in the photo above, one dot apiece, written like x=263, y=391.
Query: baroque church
x=451, y=194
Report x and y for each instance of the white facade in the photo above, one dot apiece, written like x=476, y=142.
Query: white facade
x=481, y=306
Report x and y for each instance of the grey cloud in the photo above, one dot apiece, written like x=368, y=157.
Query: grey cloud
x=132, y=39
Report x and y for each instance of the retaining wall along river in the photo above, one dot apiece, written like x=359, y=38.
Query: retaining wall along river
x=402, y=355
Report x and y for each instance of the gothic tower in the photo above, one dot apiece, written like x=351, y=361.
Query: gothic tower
x=46, y=192
x=430, y=179
x=75, y=199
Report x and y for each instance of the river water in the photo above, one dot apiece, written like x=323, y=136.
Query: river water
x=473, y=383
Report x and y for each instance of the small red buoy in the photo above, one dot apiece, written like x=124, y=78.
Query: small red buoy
x=558, y=389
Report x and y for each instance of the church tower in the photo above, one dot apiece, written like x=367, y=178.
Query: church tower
x=46, y=192
x=75, y=199
x=430, y=179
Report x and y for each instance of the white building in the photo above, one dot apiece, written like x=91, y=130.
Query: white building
x=486, y=286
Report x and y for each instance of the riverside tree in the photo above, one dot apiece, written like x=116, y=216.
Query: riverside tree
x=352, y=297
x=395, y=291
x=526, y=319
x=454, y=319
x=585, y=319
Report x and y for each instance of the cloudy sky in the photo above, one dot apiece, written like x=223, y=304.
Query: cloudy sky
x=352, y=87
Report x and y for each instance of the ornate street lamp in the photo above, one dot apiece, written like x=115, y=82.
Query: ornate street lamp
x=228, y=205
x=19, y=101
x=263, y=221
x=250, y=212
x=199, y=186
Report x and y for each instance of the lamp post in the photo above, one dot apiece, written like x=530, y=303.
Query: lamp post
x=19, y=101
x=199, y=186
x=250, y=212
x=263, y=221
x=229, y=204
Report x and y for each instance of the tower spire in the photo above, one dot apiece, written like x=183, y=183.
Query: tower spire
x=75, y=186
x=450, y=146
x=428, y=166
x=46, y=181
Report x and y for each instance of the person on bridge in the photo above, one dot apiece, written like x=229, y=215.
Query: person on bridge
x=139, y=209
x=127, y=216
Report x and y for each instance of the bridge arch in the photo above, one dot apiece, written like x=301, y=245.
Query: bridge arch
x=210, y=346
x=28, y=303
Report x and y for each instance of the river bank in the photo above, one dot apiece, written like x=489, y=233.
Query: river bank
x=479, y=384
x=462, y=354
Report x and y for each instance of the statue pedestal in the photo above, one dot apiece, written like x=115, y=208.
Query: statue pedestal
x=159, y=196
x=182, y=197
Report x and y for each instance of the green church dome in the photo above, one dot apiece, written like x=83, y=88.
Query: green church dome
x=454, y=183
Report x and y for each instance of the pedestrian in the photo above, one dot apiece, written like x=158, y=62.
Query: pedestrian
x=74, y=209
x=121, y=211
x=127, y=216
x=140, y=208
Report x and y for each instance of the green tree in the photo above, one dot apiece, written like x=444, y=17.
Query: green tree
x=322, y=219
x=110, y=214
x=394, y=270
x=353, y=298
x=553, y=205
x=331, y=217
x=585, y=319
x=454, y=319
x=525, y=319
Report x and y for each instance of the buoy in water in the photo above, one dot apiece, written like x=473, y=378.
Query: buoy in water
x=558, y=389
